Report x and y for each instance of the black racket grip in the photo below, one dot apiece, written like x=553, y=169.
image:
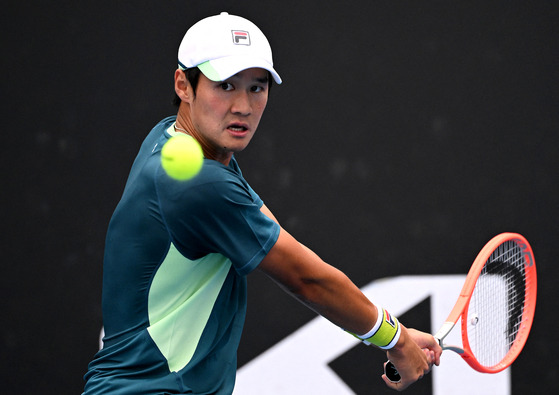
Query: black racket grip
x=391, y=372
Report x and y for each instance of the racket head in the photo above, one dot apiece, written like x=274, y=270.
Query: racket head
x=501, y=292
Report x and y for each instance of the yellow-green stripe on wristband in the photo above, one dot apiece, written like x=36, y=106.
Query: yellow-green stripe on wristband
x=385, y=333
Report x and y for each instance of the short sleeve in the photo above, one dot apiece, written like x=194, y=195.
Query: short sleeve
x=217, y=211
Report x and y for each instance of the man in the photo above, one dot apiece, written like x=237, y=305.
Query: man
x=177, y=253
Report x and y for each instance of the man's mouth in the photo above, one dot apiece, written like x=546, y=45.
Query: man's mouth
x=238, y=128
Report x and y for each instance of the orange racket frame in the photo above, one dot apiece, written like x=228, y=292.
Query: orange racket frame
x=460, y=309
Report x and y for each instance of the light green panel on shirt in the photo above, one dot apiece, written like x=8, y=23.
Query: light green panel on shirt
x=181, y=298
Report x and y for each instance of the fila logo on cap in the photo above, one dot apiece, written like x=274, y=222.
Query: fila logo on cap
x=240, y=37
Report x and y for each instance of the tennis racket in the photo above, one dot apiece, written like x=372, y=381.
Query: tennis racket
x=496, y=306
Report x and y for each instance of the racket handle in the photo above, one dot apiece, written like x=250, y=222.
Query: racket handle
x=391, y=372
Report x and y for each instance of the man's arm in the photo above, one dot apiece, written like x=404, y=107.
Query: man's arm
x=330, y=293
x=318, y=285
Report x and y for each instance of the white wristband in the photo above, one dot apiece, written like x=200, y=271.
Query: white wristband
x=375, y=328
x=386, y=332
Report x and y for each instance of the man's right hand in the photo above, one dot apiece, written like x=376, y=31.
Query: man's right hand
x=413, y=356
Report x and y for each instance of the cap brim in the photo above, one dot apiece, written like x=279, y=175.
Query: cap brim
x=223, y=68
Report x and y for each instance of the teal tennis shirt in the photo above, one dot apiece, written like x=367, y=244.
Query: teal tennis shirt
x=174, y=285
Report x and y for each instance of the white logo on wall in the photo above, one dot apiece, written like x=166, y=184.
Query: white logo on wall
x=299, y=363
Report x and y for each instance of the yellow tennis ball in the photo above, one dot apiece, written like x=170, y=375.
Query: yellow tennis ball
x=182, y=157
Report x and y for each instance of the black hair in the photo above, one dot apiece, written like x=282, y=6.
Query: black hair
x=192, y=75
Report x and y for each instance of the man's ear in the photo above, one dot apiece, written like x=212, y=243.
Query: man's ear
x=183, y=88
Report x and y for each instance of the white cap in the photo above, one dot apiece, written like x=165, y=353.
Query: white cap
x=223, y=45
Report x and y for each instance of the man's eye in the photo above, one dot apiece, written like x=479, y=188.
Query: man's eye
x=226, y=86
x=257, y=88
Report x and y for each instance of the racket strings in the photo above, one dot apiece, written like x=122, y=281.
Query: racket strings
x=496, y=307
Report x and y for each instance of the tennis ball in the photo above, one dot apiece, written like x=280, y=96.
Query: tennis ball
x=182, y=157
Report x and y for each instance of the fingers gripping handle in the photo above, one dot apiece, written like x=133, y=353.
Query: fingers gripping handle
x=392, y=373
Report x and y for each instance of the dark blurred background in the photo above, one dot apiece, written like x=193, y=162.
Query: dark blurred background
x=406, y=135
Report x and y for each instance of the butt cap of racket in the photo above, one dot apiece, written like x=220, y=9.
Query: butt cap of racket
x=391, y=372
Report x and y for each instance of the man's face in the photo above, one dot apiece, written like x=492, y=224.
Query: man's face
x=227, y=113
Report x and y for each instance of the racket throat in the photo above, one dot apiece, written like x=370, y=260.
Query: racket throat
x=442, y=333
x=456, y=349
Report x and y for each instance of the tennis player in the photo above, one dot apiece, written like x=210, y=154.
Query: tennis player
x=177, y=254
